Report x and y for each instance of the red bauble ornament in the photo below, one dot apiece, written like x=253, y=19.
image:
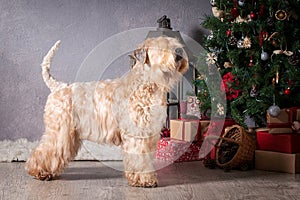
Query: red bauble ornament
x=287, y=91
x=253, y=15
x=234, y=12
x=250, y=63
x=228, y=32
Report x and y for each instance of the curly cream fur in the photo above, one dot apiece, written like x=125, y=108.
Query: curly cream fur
x=129, y=111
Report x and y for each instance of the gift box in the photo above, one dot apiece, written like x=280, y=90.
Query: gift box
x=276, y=161
x=284, y=121
x=284, y=143
x=192, y=107
x=178, y=151
x=186, y=130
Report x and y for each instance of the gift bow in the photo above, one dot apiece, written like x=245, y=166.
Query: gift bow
x=285, y=52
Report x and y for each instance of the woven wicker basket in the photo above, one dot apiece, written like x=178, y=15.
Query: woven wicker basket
x=246, y=149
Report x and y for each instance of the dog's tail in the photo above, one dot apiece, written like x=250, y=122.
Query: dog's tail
x=48, y=79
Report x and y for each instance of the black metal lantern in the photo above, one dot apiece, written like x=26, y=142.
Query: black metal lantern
x=164, y=29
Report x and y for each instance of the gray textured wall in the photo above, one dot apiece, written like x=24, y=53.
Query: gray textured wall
x=29, y=27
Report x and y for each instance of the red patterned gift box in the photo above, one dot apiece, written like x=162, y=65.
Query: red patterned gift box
x=284, y=143
x=177, y=151
x=283, y=122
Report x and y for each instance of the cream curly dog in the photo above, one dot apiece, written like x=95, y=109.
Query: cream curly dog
x=129, y=111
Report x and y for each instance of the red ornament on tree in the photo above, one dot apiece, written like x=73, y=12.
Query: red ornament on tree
x=234, y=12
x=252, y=15
x=228, y=32
x=287, y=91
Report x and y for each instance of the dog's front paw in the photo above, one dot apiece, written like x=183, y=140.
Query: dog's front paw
x=41, y=175
x=147, y=180
x=150, y=185
x=45, y=177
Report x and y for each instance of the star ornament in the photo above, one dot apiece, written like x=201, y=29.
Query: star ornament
x=211, y=58
x=247, y=42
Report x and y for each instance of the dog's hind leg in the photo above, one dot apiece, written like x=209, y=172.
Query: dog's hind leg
x=60, y=142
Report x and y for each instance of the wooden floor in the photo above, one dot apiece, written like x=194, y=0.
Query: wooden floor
x=95, y=180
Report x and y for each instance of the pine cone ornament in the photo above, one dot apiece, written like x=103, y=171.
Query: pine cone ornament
x=294, y=59
x=253, y=92
x=232, y=41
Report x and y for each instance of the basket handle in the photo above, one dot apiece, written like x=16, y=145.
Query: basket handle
x=220, y=137
x=230, y=140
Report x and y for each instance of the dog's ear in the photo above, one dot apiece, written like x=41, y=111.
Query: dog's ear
x=132, y=61
x=179, y=54
x=141, y=55
x=180, y=60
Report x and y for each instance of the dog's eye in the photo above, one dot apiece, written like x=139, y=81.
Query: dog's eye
x=179, y=54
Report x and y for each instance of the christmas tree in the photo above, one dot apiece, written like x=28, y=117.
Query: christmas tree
x=256, y=47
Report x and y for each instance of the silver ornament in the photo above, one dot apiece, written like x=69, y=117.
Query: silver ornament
x=241, y=3
x=264, y=55
x=240, y=43
x=210, y=37
x=212, y=2
x=274, y=110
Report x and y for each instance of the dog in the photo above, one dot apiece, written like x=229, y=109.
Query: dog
x=129, y=112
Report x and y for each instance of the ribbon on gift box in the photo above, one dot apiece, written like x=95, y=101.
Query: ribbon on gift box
x=295, y=113
x=285, y=125
x=183, y=130
x=197, y=136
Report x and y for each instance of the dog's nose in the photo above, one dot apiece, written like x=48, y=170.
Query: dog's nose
x=179, y=54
